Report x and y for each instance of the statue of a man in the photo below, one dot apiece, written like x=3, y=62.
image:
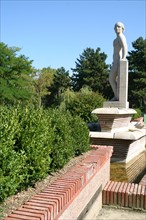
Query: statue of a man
x=120, y=52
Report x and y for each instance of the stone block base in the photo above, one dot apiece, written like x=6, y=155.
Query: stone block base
x=115, y=104
x=114, y=119
x=123, y=150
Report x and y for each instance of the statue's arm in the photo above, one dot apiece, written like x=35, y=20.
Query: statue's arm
x=123, y=43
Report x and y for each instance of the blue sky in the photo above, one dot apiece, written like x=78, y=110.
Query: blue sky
x=54, y=33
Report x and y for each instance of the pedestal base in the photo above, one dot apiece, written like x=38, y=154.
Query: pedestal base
x=115, y=104
x=124, y=150
x=116, y=130
x=114, y=119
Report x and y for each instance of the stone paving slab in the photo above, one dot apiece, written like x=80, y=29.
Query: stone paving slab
x=120, y=214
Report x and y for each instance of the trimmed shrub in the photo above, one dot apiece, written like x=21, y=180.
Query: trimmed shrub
x=62, y=148
x=34, y=142
x=80, y=135
x=12, y=163
x=71, y=137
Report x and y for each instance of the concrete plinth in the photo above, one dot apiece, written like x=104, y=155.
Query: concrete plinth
x=114, y=119
x=126, y=144
x=117, y=131
x=116, y=104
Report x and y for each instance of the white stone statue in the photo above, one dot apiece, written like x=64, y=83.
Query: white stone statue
x=120, y=52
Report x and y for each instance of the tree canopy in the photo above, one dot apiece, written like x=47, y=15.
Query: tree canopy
x=20, y=83
x=61, y=82
x=92, y=71
x=42, y=83
x=137, y=74
x=15, y=76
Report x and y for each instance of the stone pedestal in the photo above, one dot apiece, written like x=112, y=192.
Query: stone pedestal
x=115, y=104
x=117, y=131
x=123, y=83
x=122, y=88
x=126, y=145
x=114, y=119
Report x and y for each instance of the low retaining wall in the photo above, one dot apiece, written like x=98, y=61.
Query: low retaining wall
x=76, y=195
x=123, y=194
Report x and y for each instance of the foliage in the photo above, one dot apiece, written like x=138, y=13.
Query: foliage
x=36, y=141
x=33, y=142
x=138, y=114
x=71, y=137
x=62, y=149
x=15, y=76
x=43, y=82
x=60, y=84
x=137, y=74
x=80, y=135
x=92, y=71
x=12, y=164
x=82, y=103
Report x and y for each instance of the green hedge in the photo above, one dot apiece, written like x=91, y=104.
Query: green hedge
x=34, y=142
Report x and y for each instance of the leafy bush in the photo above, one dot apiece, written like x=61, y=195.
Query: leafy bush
x=71, y=137
x=62, y=149
x=12, y=163
x=36, y=141
x=33, y=142
x=82, y=103
x=80, y=135
x=138, y=114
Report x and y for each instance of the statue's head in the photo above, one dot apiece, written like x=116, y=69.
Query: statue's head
x=119, y=24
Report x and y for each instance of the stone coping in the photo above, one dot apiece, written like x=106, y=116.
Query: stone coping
x=100, y=134
x=114, y=111
x=130, y=135
x=124, y=135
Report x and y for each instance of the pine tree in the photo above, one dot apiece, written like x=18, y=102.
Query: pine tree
x=137, y=74
x=92, y=71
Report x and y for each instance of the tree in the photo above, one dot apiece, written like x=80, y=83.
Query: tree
x=92, y=71
x=61, y=83
x=43, y=82
x=137, y=74
x=16, y=83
